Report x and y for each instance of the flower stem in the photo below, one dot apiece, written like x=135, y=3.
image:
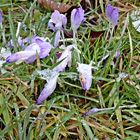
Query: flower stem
x=75, y=46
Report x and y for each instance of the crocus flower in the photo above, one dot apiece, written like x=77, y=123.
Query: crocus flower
x=48, y=89
x=112, y=14
x=64, y=59
x=77, y=17
x=39, y=47
x=58, y=21
x=0, y=16
x=45, y=47
x=85, y=75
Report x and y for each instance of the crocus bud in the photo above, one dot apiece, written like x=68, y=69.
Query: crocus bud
x=77, y=17
x=48, y=89
x=112, y=14
x=85, y=75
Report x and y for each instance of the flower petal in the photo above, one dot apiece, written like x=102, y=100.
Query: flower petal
x=58, y=21
x=57, y=38
x=85, y=75
x=112, y=14
x=77, y=17
x=45, y=48
x=61, y=67
x=20, y=56
x=33, y=47
x=51, y=25
x=65, y=58
x=0, y=16
x=48, y=89
x=28, y=55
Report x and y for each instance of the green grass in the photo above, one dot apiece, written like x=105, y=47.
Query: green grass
x=61, y=115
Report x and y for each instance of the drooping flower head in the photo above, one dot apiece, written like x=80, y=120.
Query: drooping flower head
x=58, y=21
x=38, y=46
x=112, y=14
x=77, y=17
x=48, y=88
x=85, y=75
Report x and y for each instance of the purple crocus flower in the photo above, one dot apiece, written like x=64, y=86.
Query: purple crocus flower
x=48, y=89
x=0, y=16
x=29, y=54
x=64, y=59
x=85, y=75
x=58, y=21
x=112, y=14
x=45, y=47
x=77, y=17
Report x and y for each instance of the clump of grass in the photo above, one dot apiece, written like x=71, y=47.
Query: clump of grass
x=115, y=88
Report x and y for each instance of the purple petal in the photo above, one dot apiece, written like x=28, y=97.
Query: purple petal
x=37, y=39
x=20, y=41
x=31, y=59
x=85, y=75
x=117, y=54
x=92, y=111
x=48, y=90
x=56, y=17
x=45, y=48
x=64, y=20
x=0, y=16
x=51, y=25
x=33, y=47
x=20, y=56
x=58, y=21
x=112, y=14
x=64, y=59
x=61, y=67
x=77, y=17
x=28, y=53
x=57, y=38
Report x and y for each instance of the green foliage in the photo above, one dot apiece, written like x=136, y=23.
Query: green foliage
x=61, y=115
